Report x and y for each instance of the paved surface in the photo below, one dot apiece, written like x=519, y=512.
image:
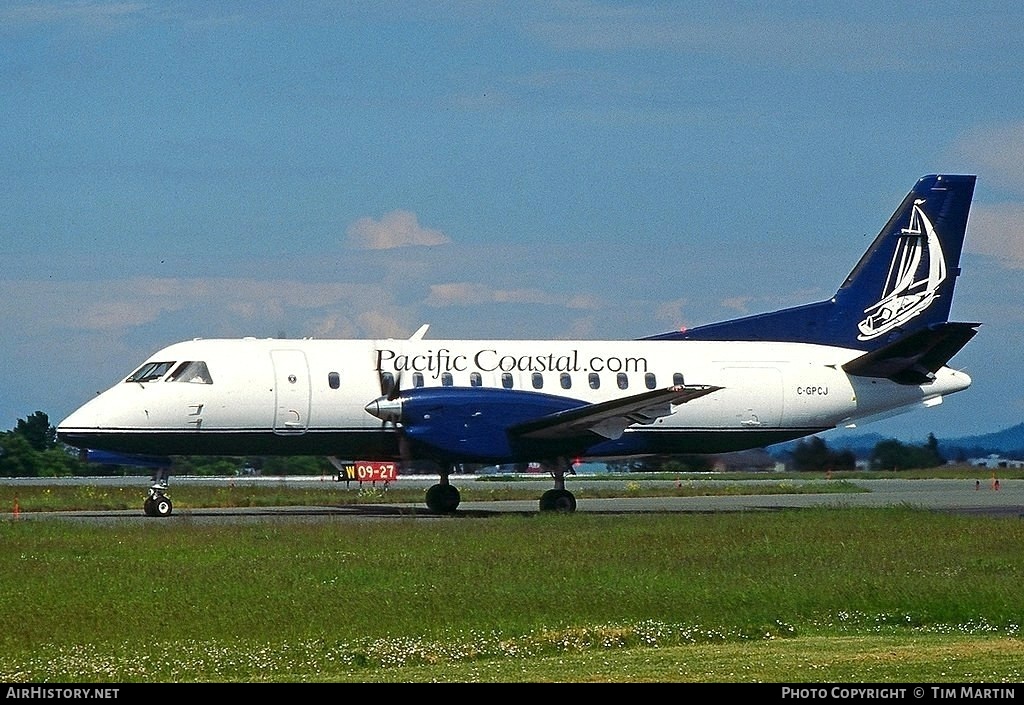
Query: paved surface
x=961, y=496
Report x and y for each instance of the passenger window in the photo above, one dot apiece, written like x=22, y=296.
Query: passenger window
x=506, y=380
x=677, y=378
x=475, y=380
x=622, y=380
x=334, y=380
x=538, y=380
x=417, y=379
x=595, y=380
x=150, y=371
x=565, y=380
x=446, y=379
x=649, y=381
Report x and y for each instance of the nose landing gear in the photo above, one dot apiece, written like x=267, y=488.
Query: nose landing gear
x=157, y=503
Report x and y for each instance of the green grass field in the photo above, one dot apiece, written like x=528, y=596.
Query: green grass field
x=813, y=595
x=186, y=495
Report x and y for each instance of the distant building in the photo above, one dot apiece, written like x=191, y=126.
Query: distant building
x=995, y=461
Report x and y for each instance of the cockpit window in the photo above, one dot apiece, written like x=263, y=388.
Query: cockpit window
x=150, y=371
x=192, y=371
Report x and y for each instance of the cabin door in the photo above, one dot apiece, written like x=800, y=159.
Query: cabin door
x=291, y=391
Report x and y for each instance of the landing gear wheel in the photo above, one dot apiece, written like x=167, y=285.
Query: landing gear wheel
x=558, y=501
x=443, y=499
x=157, y=503
x=162, y=507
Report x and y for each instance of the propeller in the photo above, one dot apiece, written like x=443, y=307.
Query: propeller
x=388, y=408
x=390, y=386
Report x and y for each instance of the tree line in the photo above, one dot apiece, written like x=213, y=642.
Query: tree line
x=814, y=455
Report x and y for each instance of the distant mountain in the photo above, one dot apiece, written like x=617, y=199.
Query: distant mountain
x=1012, y=437
x=1009, y=442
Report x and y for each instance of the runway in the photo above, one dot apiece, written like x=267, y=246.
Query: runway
x=959, y=496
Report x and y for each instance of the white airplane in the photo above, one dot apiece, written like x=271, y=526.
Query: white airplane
x=879, y=346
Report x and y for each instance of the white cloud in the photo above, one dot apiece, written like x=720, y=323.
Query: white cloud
x=582, y=301
x=118, y=305
x=394, y=229
x=99, y=15
x=740, y=304
x=672, y=312
x=523, y=296
x=469, y=294
x=334, y=326
x=785, y=37
x=998, y=231
x=456, y=294
x=364, y=324
x=997, y=151
x=580, y=328
x=381, y=325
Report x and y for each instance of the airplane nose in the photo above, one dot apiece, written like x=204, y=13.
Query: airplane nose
x=79, y=428
x=74, y=428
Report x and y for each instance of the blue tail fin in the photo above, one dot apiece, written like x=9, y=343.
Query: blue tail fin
x=902, y=284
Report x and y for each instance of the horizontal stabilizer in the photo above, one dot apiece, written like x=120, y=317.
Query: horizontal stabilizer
x=914, y=358
x=611, y=418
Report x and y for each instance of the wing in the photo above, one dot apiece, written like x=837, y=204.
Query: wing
x=611, y=418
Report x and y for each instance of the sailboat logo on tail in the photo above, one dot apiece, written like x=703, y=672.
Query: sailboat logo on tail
x=917, y=269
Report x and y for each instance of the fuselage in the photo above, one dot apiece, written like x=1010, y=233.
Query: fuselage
x=276, y=396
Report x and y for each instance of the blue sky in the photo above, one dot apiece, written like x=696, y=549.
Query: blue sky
x=556, y=169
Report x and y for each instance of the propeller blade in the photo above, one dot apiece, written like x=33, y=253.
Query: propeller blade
x=388, y=408
x=403, y=449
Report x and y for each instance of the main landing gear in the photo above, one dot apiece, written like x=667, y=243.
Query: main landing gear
x=559, y=499
x=444, y=497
